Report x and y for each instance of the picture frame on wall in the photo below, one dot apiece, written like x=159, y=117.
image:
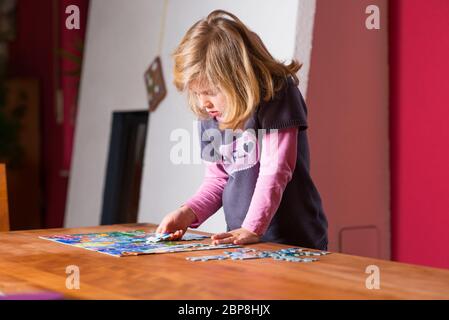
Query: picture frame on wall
x=155, y=84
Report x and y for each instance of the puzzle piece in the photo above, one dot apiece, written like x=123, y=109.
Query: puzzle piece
x=208, y=258
x=158, y=237
x=301, y=252
x=191, y=236
x=295, y=254
x=293, y=259
x=244, y=254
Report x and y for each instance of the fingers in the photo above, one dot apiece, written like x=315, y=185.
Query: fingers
x=243, y=241
x=183, y=231
x=221, y=235
x=177, y=235
x=168, y=227
x=238, y=236
x=229, y=239
x=163, y=227
x=247, y=239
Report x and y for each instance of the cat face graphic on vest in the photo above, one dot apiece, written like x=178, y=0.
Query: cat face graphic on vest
x=241, y=153
x=238, y=150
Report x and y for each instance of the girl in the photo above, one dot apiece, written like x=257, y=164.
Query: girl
x=238, y=90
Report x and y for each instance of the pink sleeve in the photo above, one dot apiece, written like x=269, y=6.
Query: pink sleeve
x=277, y=163
x=208, y=199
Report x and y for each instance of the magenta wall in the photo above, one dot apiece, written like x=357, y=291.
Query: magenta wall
x=419, y=129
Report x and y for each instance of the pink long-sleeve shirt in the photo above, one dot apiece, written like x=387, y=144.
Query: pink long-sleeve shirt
x=277, y=165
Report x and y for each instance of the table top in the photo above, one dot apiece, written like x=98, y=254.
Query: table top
x=31, y=264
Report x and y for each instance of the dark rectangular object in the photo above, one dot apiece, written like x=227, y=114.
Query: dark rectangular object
x=124, y=170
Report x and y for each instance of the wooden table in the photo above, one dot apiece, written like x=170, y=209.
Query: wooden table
x=28, y=263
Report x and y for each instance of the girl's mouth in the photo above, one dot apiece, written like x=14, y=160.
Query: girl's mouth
x=214, y=113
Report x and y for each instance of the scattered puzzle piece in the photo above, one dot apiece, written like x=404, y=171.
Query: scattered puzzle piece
x=208, y=258
x=158, y=237
x=244, y=254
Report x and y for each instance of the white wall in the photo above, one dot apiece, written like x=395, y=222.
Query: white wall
x=122, y=40
x=119, y=46
x=303, y=40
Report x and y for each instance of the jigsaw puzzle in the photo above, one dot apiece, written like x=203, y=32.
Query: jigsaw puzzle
x=132, y=243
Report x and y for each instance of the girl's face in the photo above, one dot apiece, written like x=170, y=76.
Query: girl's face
x=210, y=98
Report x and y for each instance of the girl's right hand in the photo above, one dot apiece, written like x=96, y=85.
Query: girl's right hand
x=177, y=222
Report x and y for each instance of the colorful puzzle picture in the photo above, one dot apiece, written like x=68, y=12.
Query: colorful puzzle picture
x=133, y=243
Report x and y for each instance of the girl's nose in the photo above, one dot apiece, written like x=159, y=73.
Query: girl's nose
x=205, y=103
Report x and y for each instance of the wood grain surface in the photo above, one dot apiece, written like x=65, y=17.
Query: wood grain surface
x=35, y=263
x=4, y=212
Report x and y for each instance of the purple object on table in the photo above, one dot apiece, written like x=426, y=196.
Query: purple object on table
x=34, y=296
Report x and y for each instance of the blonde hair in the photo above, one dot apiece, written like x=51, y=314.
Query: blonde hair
x=221, y=51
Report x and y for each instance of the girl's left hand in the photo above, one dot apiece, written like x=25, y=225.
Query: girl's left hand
x=237, y=236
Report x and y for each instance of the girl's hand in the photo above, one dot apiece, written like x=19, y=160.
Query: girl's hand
x=177, y=222
x=237, y=236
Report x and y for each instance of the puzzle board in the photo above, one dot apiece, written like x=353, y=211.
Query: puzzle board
x=132, y=243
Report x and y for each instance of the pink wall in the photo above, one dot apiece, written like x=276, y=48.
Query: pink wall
x=348, y=126
x=419, y=102
x=70, y=41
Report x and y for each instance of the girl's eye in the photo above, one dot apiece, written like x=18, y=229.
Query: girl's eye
x=206, y=93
